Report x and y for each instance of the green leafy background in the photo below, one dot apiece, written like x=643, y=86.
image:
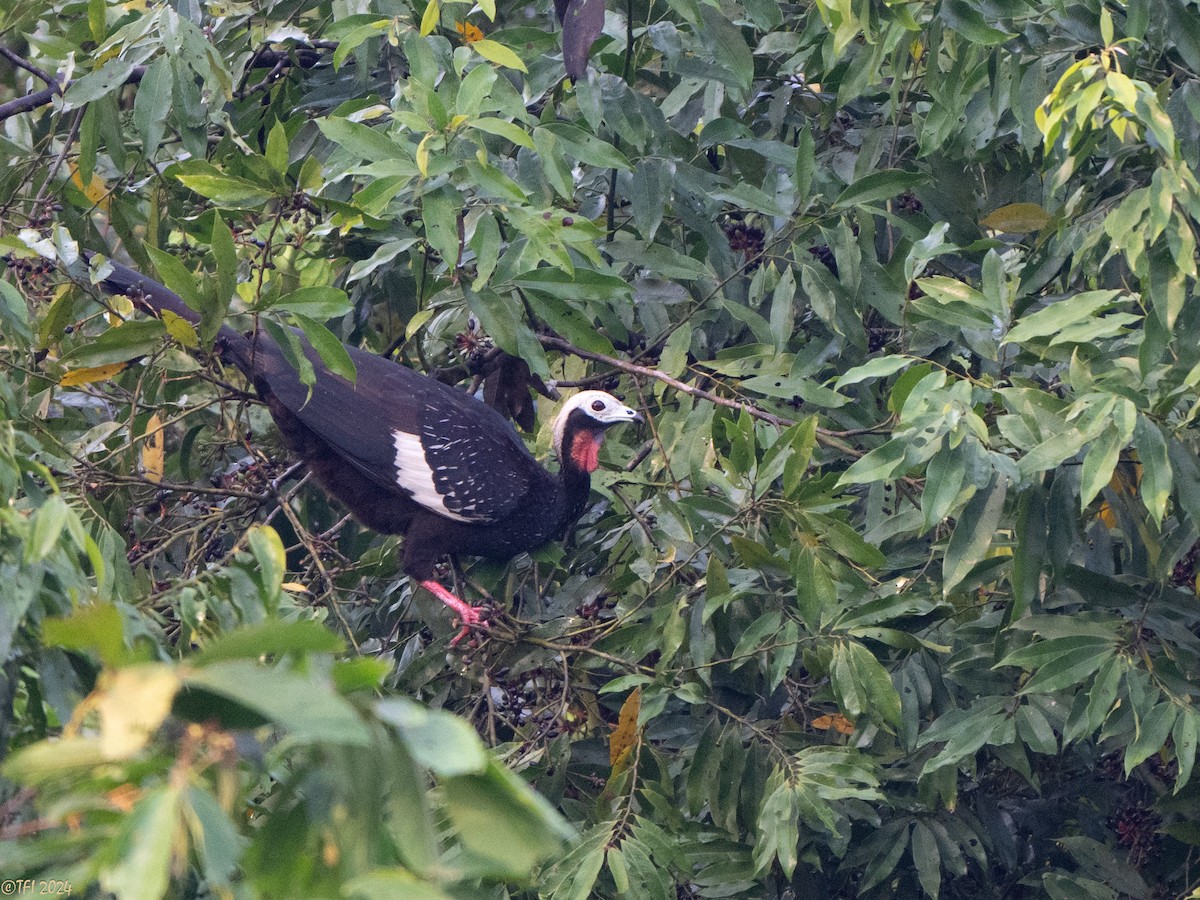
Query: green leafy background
x=903, y=564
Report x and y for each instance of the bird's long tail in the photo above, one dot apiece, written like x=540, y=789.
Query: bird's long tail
x=154, y=297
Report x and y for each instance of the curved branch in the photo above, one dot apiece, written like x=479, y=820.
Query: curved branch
x=22, y=63
x=306, y=58
x=44, y=96
x=824, y=436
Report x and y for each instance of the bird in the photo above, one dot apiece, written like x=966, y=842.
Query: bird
x=407, y=454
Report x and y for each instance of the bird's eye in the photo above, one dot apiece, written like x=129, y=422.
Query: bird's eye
x=472, y=323
x=598, y=405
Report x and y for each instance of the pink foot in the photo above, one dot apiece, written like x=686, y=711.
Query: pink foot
x=467, y=614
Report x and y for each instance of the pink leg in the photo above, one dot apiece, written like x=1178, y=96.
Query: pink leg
x=467, y=614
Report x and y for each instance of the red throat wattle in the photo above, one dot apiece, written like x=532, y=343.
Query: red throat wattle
x=585, y=450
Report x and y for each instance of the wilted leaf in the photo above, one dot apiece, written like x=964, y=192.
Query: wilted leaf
x=133, y=702
x=625, y=736
x=89, y=374
x=1017, y=218
x=153, y=448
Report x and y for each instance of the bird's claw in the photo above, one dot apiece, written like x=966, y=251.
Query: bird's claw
x=472, y=618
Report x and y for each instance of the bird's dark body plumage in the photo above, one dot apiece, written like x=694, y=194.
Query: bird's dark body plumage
x=410, y=455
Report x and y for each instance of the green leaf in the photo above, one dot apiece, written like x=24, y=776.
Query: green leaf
x=1052, y=319
x=216, y=841
x=1041, y=652
x=48, y=523
x=332, y=351
x=293, y=351
x=304, y=705
x=585, y=147
x=510, y=131
x=927, y=859
x=878, y=186
x=570, y=322
x=226, y=190
x=881, y=464
x=320, y=302
x=1098, y=464
x=727, y=45
x=968, y=21
x=1035, y=730
x=532, y=830
x=1155, y=486
x=973, y=533
x=127, y=341
x=268, y=552
x=872, y=690
x=1183, y=736
x=277, y=148
x=146, y=847
x=494, y=51
x=894, y=841
x=152, y=104
x=97, y=627
x=361, y=140
x=1069, y=669
x=945, y=477
x=1152, y=733
x=880, y=367
x=754, y=635
x=440, y=211
x=225, y=256
x=443, y=743
x=110, y=77
x=778, y=827
x=14, y=314
x=269, y=639
x=49, y=760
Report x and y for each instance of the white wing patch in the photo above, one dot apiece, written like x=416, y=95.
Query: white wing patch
x=414, y=475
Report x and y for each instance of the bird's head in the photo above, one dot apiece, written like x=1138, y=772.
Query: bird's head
x=581, y=424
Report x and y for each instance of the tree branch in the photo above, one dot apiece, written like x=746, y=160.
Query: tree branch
x=44, y=96
x=22, y=63
x=824, y=436
x=306, y=58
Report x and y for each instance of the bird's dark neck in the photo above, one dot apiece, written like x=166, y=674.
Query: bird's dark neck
x=578, y=458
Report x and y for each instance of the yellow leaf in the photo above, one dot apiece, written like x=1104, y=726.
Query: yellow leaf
x=470, y=33
x=494, y=51
x=90, y=374
x=1107, y=515
x=1017, y=218
x=423, y=154
x=120, y=309
x=837, y=722
x=180, y=329
x=133, y=703
x=430, y=19
x=295, y=587
x=96, y=190
x=626, y=733
x=152, y=450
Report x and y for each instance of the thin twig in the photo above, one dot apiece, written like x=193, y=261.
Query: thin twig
x=44, y=96
x=22, y=63
x=825, y=437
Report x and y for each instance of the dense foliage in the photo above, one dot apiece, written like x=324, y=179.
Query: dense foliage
x=895, y=594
